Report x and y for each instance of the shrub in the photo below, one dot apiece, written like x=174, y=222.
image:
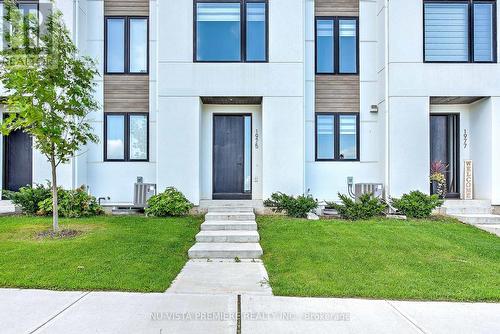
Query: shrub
x=169, y=203
x=365, y=207
x=416, y=204
x=297, y=207
x=28, y=197
x=72, y=204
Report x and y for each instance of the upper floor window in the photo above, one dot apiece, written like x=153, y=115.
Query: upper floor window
x=459, y=31
x=30, y=14
x=126, y=43
x=230, y=31
x=336, y=45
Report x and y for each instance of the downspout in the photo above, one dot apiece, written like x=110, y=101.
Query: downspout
x=387, y=104
x=76, y=5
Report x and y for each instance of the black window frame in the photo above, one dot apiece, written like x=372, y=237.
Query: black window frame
x=336, y=44
x=243, y=31
x=126, y=69
x=470, y=34
x=336, y=136
x=126, y=155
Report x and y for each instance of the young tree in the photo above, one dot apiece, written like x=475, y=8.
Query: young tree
x=49, y=88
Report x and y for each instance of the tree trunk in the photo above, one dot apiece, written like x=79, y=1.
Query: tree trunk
x=55, y=213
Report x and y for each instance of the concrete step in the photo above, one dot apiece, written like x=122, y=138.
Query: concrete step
x=476, y=219
x=229, y=226
x=453, y=203
x=227, y=236
x=492, y=228
x=230, y=209
x=225, y=251
x=467, y=210
x=231, y=216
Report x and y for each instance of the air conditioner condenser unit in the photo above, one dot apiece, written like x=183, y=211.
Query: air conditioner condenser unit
x=377, y=189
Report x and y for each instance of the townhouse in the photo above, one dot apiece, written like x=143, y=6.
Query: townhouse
x=236, y=99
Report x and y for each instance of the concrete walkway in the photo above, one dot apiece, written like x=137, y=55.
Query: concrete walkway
x=38, y=311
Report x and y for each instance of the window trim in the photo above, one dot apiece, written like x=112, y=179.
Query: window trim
x=243, y=31
x=126, y=41
x=336, y=44
x=126, y=155
x=336, y=136
x=470, y=4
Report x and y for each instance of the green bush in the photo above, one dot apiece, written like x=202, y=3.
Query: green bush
x=365, y=207
x=297, y=207
x=72, y=204
x=28, y=197
x=416, y=204
x=169, y=203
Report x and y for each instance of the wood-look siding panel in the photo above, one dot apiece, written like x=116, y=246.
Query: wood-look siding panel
x=337, y=93
x=337, y=7
x=126, y=7
x=126, y=93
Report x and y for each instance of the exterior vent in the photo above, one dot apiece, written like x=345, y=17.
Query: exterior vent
x=377, y=189
x=143, y=192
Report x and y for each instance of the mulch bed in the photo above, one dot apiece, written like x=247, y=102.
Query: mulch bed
x=63, y=234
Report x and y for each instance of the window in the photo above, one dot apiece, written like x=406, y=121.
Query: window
x=230, y=31
x=126, y=137
x=337, y=45
x=324, y=46
x=459, y=31
x=337, y=137
x=127, y=49
x=29, y=11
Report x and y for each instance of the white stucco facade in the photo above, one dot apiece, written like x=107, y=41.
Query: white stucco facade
x=394, y=143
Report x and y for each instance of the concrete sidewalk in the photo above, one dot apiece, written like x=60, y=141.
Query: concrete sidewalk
x=38, y=311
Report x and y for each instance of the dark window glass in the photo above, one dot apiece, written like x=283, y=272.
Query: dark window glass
x=348, y=137
x=337, y=136
x=446, y=32
x=127, y=54
x=127, y=137
x=324, y=46
x=138, y=136
x=115, y=46
x=256, y=32
x=483, y=32
x=138, y=45
x=115, y=137
x=29, y=9
x=218, y=36
x=325, y=131
x=348, y=46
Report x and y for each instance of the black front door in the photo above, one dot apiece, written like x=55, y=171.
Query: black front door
x=445, y=147
x=231, y=158
x=18, y=160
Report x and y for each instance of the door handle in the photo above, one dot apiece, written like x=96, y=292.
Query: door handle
x=239, y=164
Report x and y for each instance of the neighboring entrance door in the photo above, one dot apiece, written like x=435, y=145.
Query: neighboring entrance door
x=232, y=157
x=445, y=147
x=18, y=160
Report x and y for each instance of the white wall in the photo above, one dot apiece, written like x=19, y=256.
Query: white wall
x=408, y=145
x=481, y=147
x=412, y=82
x=181, y=83
x=326, y=179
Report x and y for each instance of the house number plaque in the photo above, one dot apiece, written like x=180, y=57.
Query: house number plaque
x=468, y=180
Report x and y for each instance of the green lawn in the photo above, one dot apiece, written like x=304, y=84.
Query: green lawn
x=437, y=259
x=113, y=253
